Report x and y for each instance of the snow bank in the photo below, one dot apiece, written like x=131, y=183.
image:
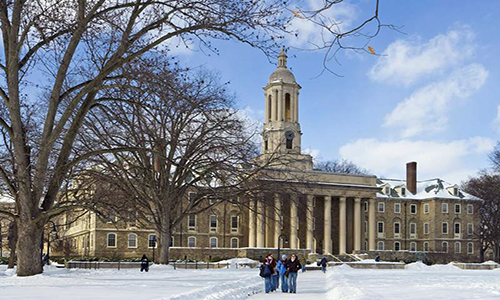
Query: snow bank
x=236, y=261
x=237, y=289
x=420, y=266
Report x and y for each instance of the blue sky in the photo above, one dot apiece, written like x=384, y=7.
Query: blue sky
x=432, y=95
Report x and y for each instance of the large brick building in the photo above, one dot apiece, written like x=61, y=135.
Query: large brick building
x=327, y=213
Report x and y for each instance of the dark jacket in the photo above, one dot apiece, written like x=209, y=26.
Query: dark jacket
x=323, y=262
x=144, y=260
x=293, y=266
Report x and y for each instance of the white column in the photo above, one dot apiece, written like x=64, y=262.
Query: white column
x=251, y=224
x=260, y=224
x=327, y=241
x=357, y=224
x=296, y=106
x=280, y=105
x=293, y=222
x=277, y=219
x=266, y=103
x=371, y=225
x=310, y=219
x=342, y=225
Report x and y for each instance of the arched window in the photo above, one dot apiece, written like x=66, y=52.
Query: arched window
x=444, y=246
x=288, y=108
x=152, y=241
x=426, y=246
x=397, y=246
x=191, y=241
x=111, y=240
x=132, y=240
x=413, y=246
x=213, y=242
x=234, y=243
x=470, y=248
x=269, y=106
x=289, y=135
x=458, y=247
x=380, y=246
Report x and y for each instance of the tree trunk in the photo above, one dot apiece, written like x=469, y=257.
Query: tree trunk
x=164, y=249
x=481, y=254
x=29, y=247
x=12, y=244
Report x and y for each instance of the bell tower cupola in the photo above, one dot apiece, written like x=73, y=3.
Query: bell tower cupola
x=281, y=132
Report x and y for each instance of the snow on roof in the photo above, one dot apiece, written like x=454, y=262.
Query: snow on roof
x=427, y=189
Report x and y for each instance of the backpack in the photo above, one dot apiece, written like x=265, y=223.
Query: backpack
x=264, y=271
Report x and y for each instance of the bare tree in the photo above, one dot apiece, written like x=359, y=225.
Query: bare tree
x=342, y=167
x=187, y=148
x=487, y=187
x=78, y=47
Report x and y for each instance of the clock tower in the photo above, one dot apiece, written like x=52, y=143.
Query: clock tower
x=281, y=131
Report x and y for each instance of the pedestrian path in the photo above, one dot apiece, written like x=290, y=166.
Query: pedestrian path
x=310, y=285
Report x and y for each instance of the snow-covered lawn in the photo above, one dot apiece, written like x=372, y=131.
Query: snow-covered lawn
x=417, y=281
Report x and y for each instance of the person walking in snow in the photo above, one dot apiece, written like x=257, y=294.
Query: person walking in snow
x=144, y=263
x=274, y=275
x=323, y=264
x=293, y=266
x=266, y=272
x=281, y=266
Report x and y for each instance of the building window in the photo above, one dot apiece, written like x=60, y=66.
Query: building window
x=397, y=246
x=381, y=207
x=470, y=209
x=314, y=224
x=470, y=228
x=444, y=246
x=455, y=191
x=269, y=105
x=397, y=208
x=234, y=224
x=403, y=191
x=213, y=223
x=192, y=197
x=111, y=240
x=380, y=227
x=213, y=242
x=152, y=241
x=132, y=240
x=457, y=208
x=191, y=242
x=426, y=208
x=470, y=248
x=234, y=243
x=288, y=108
x=387, y=190
x=445, y=228
x=192, y=222
x=457, y=228
x=413, y=246
x=289, y=135
x=413, y=208
x=426, y=228
x=171, y=241
x=397, y=229
x=426, y=246
x=234, y=201
x=380, y=246
x=413, y=228
x=444, y=208
x=458, y=247
x=366, y=206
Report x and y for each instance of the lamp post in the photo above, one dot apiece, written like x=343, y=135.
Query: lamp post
x=54, y=233
x=285, y=240
x=153, y=238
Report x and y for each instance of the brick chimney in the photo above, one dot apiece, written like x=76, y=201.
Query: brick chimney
x=411, y=177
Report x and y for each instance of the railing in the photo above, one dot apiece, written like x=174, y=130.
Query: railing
x=136, y=265
x=207, y=265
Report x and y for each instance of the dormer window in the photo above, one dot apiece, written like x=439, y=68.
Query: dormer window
x=454, y=190
x=403, y=191
x=387, y=190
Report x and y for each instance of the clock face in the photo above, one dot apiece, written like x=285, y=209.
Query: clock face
x=266, y=137
x=289, y=135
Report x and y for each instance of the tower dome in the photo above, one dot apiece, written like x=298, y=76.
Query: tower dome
x=282, y=73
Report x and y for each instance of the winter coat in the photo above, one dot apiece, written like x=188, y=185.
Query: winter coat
x=281, y=266
x=271, y=262
x=293, y=266
x=323, y=262
x=144, y=260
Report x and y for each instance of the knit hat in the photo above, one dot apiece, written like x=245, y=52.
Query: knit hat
x=283, y=256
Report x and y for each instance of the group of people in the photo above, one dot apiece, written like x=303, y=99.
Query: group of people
x=284, y=270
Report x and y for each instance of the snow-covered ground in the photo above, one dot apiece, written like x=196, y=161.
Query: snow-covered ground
x=417, y=281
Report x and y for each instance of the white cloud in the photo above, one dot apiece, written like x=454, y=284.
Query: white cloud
x=406, y=61
x=313, y=152
x=496, y=122
x=309, y=33
x=446, y=160
x=427, y=109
